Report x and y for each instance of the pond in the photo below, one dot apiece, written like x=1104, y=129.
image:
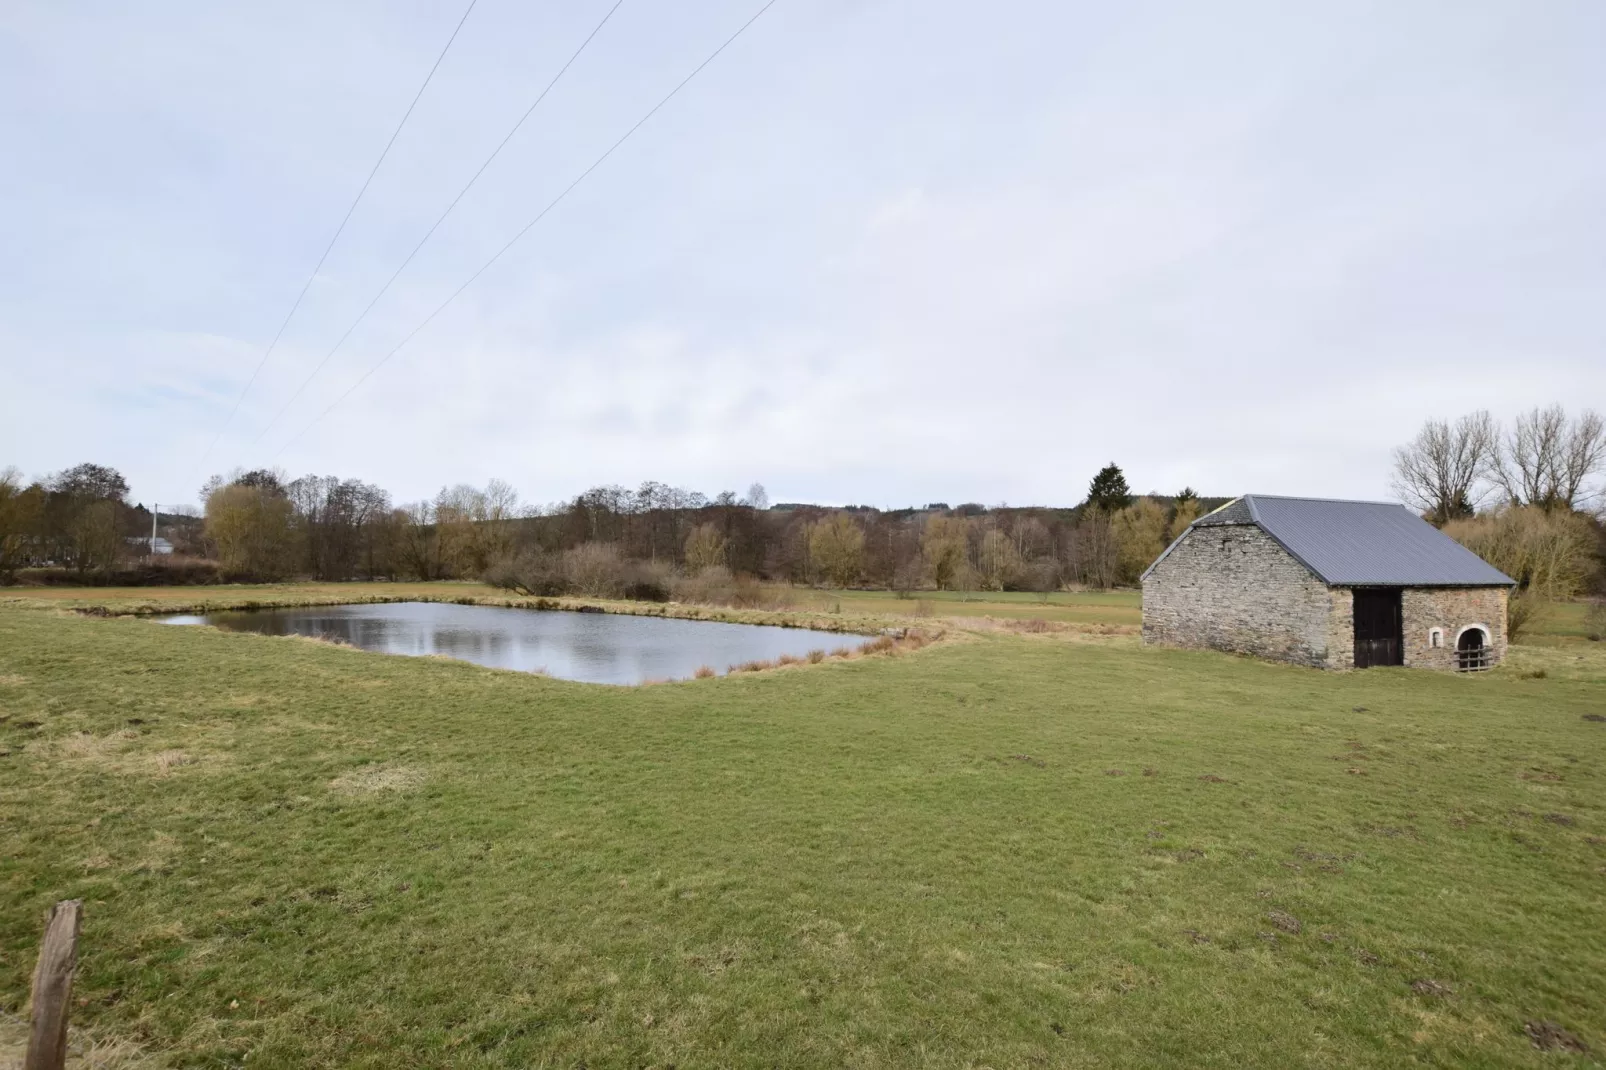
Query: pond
x=597, y=648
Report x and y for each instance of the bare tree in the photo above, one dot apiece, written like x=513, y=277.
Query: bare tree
x=1583, y=454
x=1439, y=471
x=1546, y=459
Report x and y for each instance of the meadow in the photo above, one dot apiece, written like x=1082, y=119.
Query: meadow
x=1012, y=847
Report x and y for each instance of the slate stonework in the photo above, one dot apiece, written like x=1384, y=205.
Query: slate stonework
x=1234, y=588
x=1451, y=610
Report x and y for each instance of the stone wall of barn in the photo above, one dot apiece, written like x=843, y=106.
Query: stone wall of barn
x=1450, y=611
x=1234, y=588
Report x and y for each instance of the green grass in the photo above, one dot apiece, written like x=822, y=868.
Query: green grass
x=1563, y=621
x=1117, y=608
x=316, y=856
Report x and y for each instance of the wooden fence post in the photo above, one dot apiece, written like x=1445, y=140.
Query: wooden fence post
x=52, y=988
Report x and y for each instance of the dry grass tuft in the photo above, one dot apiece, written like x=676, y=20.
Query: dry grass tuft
x=816, y=656
x=879, y=645
x=105, y=751
x=376, y=779
x=11, y=679
x=704, y=672
x=112, y=754
x=1036, y=626
x=87, y=1052
x=169, y=760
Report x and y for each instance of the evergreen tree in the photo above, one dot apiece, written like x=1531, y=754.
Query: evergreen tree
x=1109, y=491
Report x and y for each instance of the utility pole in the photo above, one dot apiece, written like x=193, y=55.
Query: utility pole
x=156, y=509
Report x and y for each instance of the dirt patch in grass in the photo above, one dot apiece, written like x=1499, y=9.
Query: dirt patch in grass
x=378, y=779
x=1284, y=921
x=12, y=680
x=1548, y=1036
x=1211, y=778
x=1429, y=987
x=1597, y=717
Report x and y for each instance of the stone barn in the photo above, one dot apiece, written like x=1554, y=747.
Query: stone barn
x=1332, y=584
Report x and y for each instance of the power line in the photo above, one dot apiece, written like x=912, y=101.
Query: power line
x=338, y=231
x=526, y=228
x=436, y=225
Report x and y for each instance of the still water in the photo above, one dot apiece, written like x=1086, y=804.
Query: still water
x=598, y=648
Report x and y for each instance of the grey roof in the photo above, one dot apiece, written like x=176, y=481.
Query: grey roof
x=1355, y=544
x=1234, y=512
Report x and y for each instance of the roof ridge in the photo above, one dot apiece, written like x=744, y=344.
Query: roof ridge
x=1307, y=498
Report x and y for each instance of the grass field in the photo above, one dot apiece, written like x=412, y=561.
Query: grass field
x=1000, y=850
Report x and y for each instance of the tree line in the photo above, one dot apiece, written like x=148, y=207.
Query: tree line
x=260, y=525
x=1520, y=496
x=78, y=519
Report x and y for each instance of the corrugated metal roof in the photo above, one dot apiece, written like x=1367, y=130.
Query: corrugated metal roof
x=1359, y=544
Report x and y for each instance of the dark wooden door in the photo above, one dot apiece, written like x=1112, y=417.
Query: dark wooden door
x=1379, y=631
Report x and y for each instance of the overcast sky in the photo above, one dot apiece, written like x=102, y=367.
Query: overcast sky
x=877, y=252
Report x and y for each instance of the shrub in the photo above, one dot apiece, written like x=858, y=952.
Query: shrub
x=710, y=586
x=715, y=586
x=704, y=672
x=647, y=581
x=1550, y=554
x=1041, y=576
x=531, y=573
x=1524, y=610
x=180, y=572
x=879, y=645
x=595, y=569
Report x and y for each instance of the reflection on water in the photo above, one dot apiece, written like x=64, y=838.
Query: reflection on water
x=599, y=648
